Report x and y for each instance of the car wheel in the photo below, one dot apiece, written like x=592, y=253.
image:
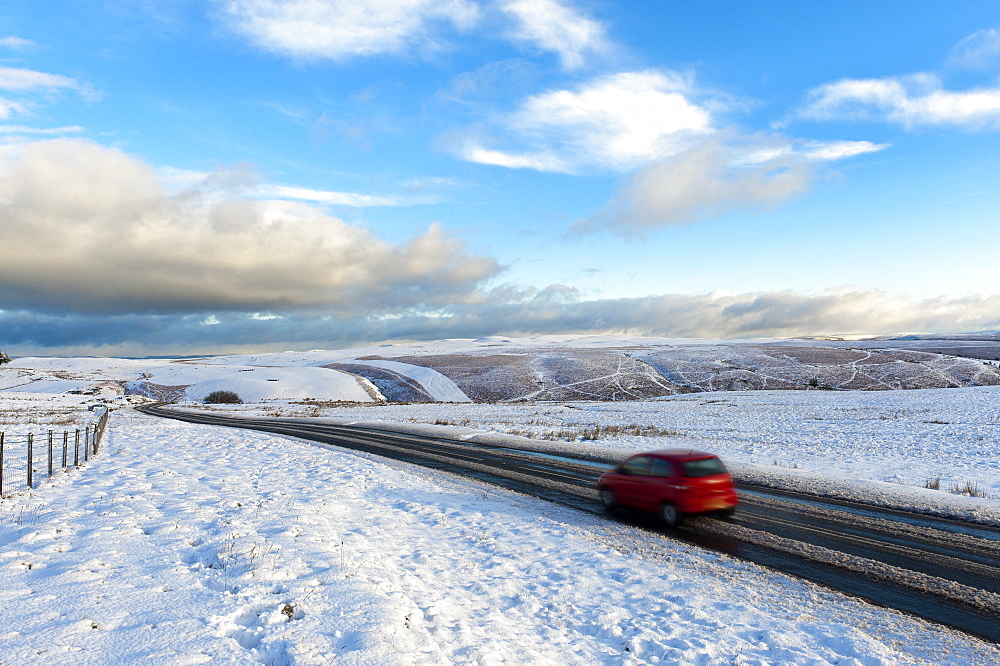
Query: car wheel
x=727, y=514
x=608, y=499
x=670, y=515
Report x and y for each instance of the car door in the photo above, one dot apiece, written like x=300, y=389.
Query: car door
x=631, y=482
x=664, y=481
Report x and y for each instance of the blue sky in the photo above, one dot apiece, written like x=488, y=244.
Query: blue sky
x=199, y=177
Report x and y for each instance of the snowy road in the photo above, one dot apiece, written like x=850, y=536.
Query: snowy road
x=945, y=571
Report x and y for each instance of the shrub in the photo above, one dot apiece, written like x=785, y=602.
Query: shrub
x=223, y=398
x=4, y=358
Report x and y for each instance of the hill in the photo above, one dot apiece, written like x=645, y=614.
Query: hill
x=528, y=369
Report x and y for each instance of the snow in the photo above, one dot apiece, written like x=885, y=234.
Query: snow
x=438, y=386
x=184, y=544
x=46, y=386
x=503, y=369
x=278, y=383
x=882, y=447
x=265, y=383
x=194, y=378
x=23, y=412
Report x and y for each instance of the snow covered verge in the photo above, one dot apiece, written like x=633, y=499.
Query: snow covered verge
x=933, y=450
x=184, y=544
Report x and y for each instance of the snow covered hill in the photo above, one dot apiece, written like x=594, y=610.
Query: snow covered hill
x=184, y=544
x=509, y=370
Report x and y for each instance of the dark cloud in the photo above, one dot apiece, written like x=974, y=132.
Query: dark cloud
x=92, y=229
x=555, y=310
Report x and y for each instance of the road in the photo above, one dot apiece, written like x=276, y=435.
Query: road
x=943, y=570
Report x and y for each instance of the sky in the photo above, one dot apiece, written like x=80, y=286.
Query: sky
x=201, y=177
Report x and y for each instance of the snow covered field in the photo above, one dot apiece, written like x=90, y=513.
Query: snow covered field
x=36, y=412
x=525, y=369
x=184, y=544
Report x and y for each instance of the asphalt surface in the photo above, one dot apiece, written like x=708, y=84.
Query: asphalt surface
x=943, y=570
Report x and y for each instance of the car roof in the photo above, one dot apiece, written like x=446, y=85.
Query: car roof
x=679, y=454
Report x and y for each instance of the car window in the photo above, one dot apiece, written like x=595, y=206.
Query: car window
x=638, y=465
x=661, y=467
x=703, y=467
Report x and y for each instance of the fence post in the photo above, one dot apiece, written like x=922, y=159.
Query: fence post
x=76, y=449
x=1, y=464
x=31, y=444
x=50, y=453
x=86, y=444
x=65, y=445
x=104, y=427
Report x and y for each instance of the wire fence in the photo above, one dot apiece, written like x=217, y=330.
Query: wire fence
x=26, y=459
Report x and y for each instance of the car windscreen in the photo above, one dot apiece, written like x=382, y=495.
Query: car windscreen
x=703, y=467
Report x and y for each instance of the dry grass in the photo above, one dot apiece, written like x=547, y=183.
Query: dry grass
x=967, y=488
x=48, y=418
x=587, y=433
x=331, y=404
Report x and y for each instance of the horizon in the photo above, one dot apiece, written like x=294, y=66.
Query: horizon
x=205, y=178
x=572, y=340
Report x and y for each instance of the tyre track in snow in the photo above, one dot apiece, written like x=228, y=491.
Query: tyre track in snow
x=942, y=570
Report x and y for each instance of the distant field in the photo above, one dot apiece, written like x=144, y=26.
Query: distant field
x=639, y=373
x=491, y=370
x=35, y=412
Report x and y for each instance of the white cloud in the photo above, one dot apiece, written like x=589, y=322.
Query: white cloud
x=335, y=198
x=761, y=149
x=651, y=121
x=538, y=161
x=828, y=151
x=23, y=129
x=88, y=228
x=912, y=101
x=339, y=29
x=980, y=50
x=27, y=84
x=791, y=314
x=555, y=27
x=710, y=179
x=14, y=78
x=244, y=179
x=353, y=199
x=615, y=122
x=16, y=43
x=718, y=315
x=9, y=107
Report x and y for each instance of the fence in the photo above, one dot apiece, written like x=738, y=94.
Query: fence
x=23, y=459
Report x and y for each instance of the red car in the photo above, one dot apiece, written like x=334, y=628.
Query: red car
x=670, y=483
